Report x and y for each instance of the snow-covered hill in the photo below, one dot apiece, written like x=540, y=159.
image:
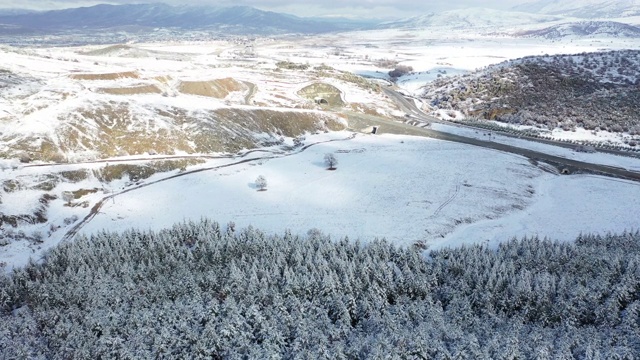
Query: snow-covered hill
x=471, y=18
x=583, y=8
x=583, y=29
x=88, y=103
x=593, y=91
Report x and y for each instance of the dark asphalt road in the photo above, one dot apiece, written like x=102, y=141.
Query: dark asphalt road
x=573, y=166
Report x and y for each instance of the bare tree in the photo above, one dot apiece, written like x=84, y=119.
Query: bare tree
x=330, y=161
x=261, y=183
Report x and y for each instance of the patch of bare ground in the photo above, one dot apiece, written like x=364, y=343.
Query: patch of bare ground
x=133, y=90
x=163, y=79
x=106, y=76
x=218, y=88
x=364, y=108
x=77, y=194
x=136, y=172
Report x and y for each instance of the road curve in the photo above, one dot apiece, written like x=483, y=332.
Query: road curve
x=416, y=114
x=573, y=166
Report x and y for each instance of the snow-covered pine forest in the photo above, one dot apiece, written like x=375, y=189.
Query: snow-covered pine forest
x=202, y=290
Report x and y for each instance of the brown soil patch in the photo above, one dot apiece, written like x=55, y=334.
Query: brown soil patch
x=114, y=129
x=163, y=79
x=364, y=108
x=219, y=88
x=106, y=76
x=134, y=90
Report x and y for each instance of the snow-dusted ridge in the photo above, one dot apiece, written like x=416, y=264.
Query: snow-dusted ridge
x=584, y=29
x=474, y=18
x=583, y=8
x=592, y=91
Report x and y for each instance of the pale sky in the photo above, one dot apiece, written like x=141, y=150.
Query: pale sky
x=361, y=8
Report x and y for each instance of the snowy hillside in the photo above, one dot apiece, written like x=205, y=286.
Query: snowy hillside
x=583, y=29
x=90, y=103
x=193, y=124
x=583, y=8
x=593, y=91
x=471, y=18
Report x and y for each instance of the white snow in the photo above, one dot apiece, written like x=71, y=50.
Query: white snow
x=564, y=209
x=404, y=189
x=401, y=188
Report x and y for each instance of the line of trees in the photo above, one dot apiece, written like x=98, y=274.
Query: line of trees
x=215, y=292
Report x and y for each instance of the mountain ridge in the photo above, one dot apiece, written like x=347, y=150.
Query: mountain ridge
x=585, y=29
x=159, y=15
x=583, y=8
x=471, y=18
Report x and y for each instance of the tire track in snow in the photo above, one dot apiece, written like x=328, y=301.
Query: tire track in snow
x=447, y=202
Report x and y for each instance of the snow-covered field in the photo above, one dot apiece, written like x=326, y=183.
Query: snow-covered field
x=405, y=189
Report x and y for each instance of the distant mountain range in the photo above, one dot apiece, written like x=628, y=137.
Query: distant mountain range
x=243, y=20
x=240, y=19
x=583, y=8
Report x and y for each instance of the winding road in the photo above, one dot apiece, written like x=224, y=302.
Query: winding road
x=573, y=166
x=273, y=154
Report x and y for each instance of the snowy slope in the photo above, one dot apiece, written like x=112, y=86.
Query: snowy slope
x=583, y=8
x=471, y=18
x=609, y=29
x=67, y=104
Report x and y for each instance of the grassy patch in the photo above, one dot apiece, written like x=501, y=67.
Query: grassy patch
x=11, y=185
x=106, y=76
x=289, y=65
x=75, y=176
x=83, y=192
x=140, y=172
x=47, y=182
x=218, y=88
x=133, y=90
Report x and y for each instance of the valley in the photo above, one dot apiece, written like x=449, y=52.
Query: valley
x=98, y=129
x=349, y=181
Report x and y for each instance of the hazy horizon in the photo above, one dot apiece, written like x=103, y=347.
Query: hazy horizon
x=348, y=8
